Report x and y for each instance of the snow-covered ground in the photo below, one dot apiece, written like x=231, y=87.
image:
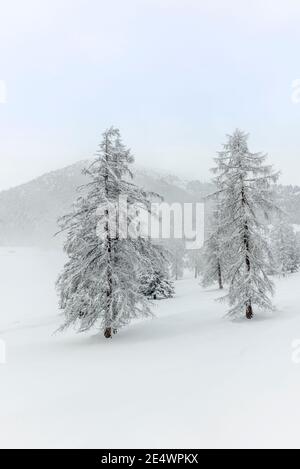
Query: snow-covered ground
x=188, y=378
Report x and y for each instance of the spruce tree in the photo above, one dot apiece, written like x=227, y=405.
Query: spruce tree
x=244, y=186
x=100, y=283
x=155, y=280
x=157, y=284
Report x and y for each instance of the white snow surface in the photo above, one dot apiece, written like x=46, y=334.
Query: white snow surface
x=186, y=379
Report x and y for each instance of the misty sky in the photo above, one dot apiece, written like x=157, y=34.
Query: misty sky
x=174, y=75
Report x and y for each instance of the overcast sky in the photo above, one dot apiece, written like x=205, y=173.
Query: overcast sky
x=174, y=75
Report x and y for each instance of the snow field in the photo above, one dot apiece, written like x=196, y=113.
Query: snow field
x=187, y=378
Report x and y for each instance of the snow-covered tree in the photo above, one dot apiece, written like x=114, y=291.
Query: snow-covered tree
x=155, y=280
x=285, y=248
x=244, y=187
x=157, y=284
x=100, y=283
x=177, y=250
x=213, y=268
x=214, y=253
x=194, y=261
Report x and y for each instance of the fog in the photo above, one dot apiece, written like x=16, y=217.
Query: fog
x=174, y=76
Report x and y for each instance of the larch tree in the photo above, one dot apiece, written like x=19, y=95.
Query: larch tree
x=244, y=188
x=100, y=283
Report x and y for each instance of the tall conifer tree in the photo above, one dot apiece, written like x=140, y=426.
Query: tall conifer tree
x=244, y=187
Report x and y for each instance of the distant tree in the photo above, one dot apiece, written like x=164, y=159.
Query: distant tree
x=157, y=284
x=213, y=268
x=177, y=250
x=285, y=248
x=214, y=253
x=194, y=261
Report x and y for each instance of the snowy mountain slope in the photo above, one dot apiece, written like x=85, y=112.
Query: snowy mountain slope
x=28, y=213
x=193, y=378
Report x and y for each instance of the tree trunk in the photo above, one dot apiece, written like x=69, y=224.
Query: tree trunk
x=108, y=333
x=220, y=277
x=249, y=311
x=108, y=329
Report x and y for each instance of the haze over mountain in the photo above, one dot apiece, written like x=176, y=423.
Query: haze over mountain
x=29, y=212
